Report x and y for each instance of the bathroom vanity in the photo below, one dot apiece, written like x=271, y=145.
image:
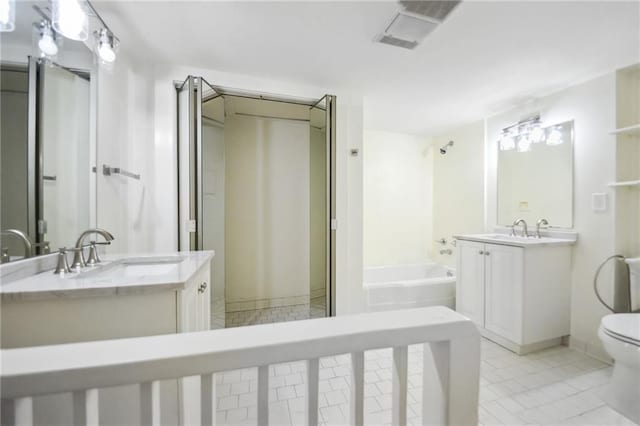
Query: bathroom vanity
x=516, y=289
x=122, y=297
x=128, y=297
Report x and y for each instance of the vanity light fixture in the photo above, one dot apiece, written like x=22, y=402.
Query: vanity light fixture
x=521, y=135
x=70, y=19
x=106, y=45
x=555, y=137
x=47, y=40
x=7, y=15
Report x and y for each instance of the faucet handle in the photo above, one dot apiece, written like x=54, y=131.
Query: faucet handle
x=63, y=265
x=78, y=258
x=94, y=259
x=6, y=258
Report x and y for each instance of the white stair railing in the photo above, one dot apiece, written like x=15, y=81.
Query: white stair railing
x=451, y=365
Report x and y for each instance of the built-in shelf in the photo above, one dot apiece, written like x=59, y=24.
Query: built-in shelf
x=628, y=183
x=629, y=131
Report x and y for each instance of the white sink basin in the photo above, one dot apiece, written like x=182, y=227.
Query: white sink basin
x=133, y=267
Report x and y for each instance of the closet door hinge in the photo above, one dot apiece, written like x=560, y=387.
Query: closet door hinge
x=334, y=224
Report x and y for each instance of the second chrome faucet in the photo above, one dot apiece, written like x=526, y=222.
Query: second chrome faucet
x=79, y=261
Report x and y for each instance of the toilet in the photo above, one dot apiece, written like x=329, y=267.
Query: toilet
x=620, y=336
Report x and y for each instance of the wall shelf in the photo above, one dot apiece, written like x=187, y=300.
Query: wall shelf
x=627, y=131
x=628, y=184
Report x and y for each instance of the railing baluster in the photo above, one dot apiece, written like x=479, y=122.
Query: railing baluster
x=313, y=381
x=150, y=403
x=435, y=383
x=357, y=388
x=23, y=411
x=263, y=395
x=85, y=407
x=399, y=386
x=208, y=399
x=464, y=377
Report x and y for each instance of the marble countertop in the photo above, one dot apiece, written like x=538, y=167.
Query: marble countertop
x=116, y=275
x=505, y=239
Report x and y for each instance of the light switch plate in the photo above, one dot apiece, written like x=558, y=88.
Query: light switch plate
x=599, y=202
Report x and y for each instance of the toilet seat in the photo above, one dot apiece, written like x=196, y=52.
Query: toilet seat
x=624, y=327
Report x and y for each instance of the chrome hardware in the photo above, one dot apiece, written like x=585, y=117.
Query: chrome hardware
x=517, y=222
x=78, y=258
x=481, y=252
x=442, y=241
x=538, y=224
x=202, y=287
x=487, y=253
x=454, y=242
x=448, y=252
x=26, y=241
x=46, y=249
x=108, y=171
x=63, y=265
x=5, y=255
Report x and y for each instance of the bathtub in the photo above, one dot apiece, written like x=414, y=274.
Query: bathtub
x=409, y=286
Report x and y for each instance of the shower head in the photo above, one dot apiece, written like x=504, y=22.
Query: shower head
x=443, y=150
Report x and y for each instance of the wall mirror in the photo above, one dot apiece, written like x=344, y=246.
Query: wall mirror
x=47, y=139
x=535, y=176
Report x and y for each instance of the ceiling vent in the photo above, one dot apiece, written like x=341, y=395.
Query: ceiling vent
x=437, y=10
x=412, y=24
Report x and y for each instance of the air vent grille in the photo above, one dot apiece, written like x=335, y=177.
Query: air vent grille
x=438, y=10
x=387, y=39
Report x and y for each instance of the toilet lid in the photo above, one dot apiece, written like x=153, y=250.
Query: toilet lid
x=626, y=326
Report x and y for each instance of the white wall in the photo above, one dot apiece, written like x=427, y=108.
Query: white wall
x=592, y=107
x=125, y=123
x=267, y=209
x=397, y=199
x=458, y=187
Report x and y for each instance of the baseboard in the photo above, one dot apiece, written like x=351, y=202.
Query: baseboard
x=593, y=350
x=277, y=302
x=519, y=349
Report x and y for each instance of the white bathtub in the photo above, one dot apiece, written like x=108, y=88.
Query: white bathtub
x=409, y=286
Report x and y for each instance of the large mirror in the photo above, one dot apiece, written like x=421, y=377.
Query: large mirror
x=47, y=146
x=535, y=177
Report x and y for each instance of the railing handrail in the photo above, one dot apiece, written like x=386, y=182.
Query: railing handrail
x=31, y=371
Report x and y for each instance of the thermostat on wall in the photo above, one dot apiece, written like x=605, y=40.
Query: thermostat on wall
x=599, y=202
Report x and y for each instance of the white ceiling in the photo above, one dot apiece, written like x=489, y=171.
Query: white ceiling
x=486, y=56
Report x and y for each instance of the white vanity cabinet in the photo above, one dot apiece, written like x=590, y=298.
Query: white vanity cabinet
x=194, y=307
x=518, y=296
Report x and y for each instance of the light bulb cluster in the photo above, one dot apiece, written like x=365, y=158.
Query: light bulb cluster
x=522, y=135
x=69, y=19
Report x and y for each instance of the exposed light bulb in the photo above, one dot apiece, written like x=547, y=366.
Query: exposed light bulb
x=537, y=134
x=507, y=142
x=106, y=53
x=70, y=19
x=524, y=144
x=47, y=44
x=7, y=15
x=555, y=137
x=106, y=46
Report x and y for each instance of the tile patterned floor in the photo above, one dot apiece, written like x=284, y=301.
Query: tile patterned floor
x=557, y=386
x=315, y=309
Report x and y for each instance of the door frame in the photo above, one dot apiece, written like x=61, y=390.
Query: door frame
x=196, y=98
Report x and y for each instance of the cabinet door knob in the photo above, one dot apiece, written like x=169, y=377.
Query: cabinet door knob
x=481, y=252
x=204, y=286
x=486, y=253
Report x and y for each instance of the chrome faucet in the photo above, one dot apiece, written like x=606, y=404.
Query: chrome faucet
x=26, y=241
x=78, y=257
x=517, y=222
x=538, y=224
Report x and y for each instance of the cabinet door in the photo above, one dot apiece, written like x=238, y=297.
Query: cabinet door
x=189, y=306
x=503, y=291
x=204, y=300
x=470, y=280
